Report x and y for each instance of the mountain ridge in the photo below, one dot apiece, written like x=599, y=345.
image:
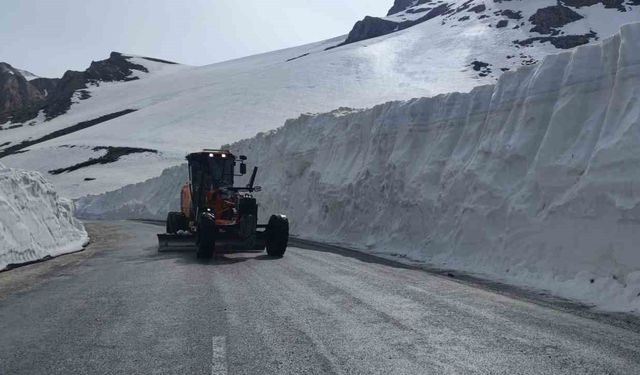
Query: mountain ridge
x=545, y=23
x=175, y=109
x=54, y=96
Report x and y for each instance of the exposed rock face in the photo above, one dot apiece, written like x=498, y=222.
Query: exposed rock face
x=371, y=27
x=116, y=68
x=561, y=42
x=478, y=8
x=45, y=85
x=16, y=93
x=619, y=4
x=19, y=147
x=113, y=155
x=547, y=20
x=402, y=5
x=22, y=100
x=60, y=100
x=510, y=14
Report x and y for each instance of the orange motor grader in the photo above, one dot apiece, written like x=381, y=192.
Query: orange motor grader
x=216, y=215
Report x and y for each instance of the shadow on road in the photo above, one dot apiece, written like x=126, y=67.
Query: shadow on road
x=187, y=255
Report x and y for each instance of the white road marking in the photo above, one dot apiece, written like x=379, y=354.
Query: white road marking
x=219, y=356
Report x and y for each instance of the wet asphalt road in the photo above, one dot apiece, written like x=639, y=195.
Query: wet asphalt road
x=120, y=307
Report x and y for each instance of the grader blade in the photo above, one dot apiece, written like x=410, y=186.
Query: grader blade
x=167, y=241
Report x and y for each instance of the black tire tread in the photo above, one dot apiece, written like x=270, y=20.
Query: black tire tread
x=277, y=235
x=171, y=222
x=206, y=239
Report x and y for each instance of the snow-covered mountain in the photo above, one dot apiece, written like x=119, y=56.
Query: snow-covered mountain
x=104, y=131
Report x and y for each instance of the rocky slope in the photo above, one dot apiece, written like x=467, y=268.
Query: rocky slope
x=23, y=95
x=18, y=95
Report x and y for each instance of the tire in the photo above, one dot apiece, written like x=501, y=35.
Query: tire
x=182, y=223
x=171, y=222
x=247, y=227
x=248, y=206
x=277, y=235
x=206, y=238
x=176, y=221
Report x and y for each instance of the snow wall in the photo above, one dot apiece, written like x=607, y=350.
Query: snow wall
x=151, y=199
x=534, y=181
x=34, y=222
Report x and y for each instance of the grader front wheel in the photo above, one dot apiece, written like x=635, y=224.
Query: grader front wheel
x=206, y=238
x=277, y=235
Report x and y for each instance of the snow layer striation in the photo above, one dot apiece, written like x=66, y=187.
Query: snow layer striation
x=34, y=222
x=534, y=180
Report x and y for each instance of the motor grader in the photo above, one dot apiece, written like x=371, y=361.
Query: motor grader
x=218, y=216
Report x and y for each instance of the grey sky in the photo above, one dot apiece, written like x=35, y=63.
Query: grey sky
x=48, y=37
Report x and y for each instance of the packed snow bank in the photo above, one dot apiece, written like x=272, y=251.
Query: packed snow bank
x=535, y=180
x=34, y=221
x=151, y=199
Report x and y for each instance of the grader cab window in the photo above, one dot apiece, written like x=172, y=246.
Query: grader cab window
x=212, y=173
x=221, y=172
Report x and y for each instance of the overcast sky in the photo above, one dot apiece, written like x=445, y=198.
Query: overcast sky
x=47, y=37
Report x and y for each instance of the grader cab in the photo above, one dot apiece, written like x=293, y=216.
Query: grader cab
x=218, y=216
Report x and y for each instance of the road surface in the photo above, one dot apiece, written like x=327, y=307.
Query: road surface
x=120, y=307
